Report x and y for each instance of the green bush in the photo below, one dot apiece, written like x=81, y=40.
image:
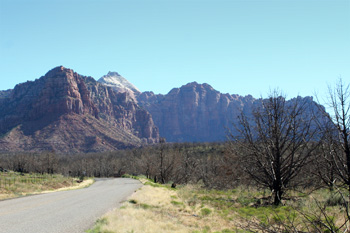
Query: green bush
x=132, y=201
x=205, y=211
x=335, y=200
x=81, y=177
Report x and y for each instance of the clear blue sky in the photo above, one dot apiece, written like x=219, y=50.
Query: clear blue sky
x=237, y=46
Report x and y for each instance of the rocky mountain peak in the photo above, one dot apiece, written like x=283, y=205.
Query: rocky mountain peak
x=191, y=84
x=111, y=73
x=57, y=70
x=193, y=87
x=198, y=112
x=193, y=112
x=67, y=112
x=118, y=83
x=199, y=86
x=195, y=84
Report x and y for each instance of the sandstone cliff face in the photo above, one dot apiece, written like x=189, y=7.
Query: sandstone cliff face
x=67, y=112
x=60, y=91
x=121, y=108
x=194, y=112
x=198, y=113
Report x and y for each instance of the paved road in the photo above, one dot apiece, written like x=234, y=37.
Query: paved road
x=66, y=211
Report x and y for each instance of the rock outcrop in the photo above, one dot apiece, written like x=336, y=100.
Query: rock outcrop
x=119, y=84
x=66, y=112
x=194, y=113
x=198, y=113
x=5, y=94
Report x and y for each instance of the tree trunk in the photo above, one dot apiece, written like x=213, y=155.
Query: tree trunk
x=277, y=193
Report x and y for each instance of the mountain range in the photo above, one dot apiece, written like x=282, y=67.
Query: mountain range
x=70, y=113
x=65, y=112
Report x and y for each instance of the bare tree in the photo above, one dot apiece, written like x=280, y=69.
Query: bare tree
x=186, y=166
x=51, y=162
x=276, y=143
x=19, y=162
x=324, y=166
x=338, y=106
x=165, y=162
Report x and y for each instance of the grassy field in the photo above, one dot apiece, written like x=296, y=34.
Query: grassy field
x=14, y=184
x=158, y=208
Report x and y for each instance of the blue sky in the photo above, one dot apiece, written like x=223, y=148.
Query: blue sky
x=237, y=46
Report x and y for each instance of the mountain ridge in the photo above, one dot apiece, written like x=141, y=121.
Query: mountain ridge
x=199, y=113
x=70, y=113
x=194, y=112
x=118, y=113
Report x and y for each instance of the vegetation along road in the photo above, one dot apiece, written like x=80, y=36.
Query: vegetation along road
x=66, y=211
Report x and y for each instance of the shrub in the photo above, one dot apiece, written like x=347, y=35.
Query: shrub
x=335, y=200
x=132, y=201
x=205, y=211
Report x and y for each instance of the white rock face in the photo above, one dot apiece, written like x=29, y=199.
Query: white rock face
x=118, y=83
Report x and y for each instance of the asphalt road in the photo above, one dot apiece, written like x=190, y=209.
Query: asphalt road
x=66, y=211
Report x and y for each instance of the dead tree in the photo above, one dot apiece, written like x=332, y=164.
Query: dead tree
x=338, y=107
x=276, y=142
x=165, y=162
x=324, y=166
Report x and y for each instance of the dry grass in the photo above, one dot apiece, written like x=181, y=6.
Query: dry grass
x=84, y=184
x=157, y=208
x=148, y=210
x=23, y=185
x=162, y=209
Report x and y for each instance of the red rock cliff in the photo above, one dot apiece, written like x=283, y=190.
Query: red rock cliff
x=62, y=103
